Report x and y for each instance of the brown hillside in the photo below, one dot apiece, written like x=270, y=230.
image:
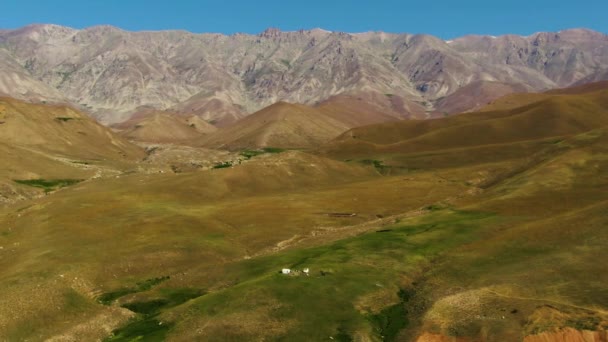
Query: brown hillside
x=282, y=125
x=60, y=129
x=218, y=111
x=476, y=95
x=55, y=142
x=552, y=117
x=579, y=89
x=519, y=99
x=370, y=108
x=164, y=127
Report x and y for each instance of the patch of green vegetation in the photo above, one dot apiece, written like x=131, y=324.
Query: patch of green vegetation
x=76, y=301
x=149, y=283
x=378, y=164
x=222, y=165
x=48, y=185
x=29, y=65
x=146, y=326
x=171, y=298
x=555, y=141
x=584, y=323
x=589, y=136
x=393, y=319
x=179, y=296
x=342, y=336
x=64, y=118
x=248, y=154
x=539, y=328
x=389, y=95
x=148, y=329
x=340, y=273
x=434, y=207
x=286, y=62
x=109, y=297
x=65, y=75
x=146, y=308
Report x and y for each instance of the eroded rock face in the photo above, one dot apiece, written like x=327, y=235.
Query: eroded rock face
x=569, y=335
x=111, y=72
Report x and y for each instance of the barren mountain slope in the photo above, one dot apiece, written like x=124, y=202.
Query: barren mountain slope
x=111, y=72
x=16, y=82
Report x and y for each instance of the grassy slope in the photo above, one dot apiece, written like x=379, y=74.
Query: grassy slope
x=113, y=233
x=528, y=248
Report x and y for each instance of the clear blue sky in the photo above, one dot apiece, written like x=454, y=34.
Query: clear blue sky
x=443, y=18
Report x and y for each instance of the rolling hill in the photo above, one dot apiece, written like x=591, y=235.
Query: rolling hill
x=60, y=129
x=485, y=226
x=475, y=96
x=281, y=125
x=55, y=142
x=542, y=117
x=163, y=127
x=368, y=108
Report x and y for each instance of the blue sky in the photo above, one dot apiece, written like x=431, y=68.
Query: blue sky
x=446, y=19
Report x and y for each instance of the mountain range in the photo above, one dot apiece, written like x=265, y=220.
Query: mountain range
x=110, y=73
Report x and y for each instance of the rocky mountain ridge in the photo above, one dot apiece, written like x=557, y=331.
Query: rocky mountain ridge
x=221, y=78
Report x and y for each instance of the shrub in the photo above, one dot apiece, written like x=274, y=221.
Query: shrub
x=48, y=184
x=63, y=119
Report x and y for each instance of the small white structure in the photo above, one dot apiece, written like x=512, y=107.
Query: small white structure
x=306, y=270
x=286, y=271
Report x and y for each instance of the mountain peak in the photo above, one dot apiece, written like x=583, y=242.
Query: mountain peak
x=271, y=32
